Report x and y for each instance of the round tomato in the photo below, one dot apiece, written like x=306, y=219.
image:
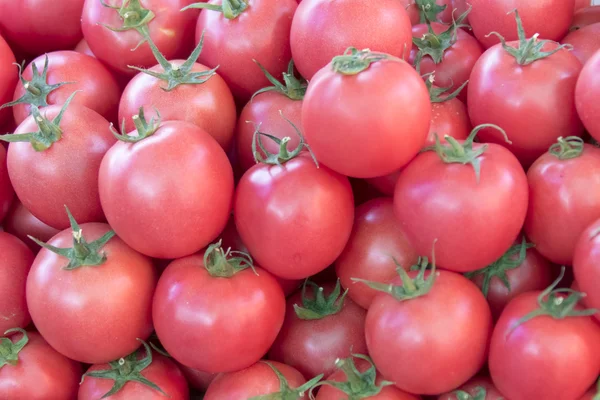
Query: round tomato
x=586, y=95
x=137, y=179
x=8, y=78
x=585, y=265
x=112, y=285
x=7, y=193
x=478, y=388
x=22, y=223
x=323, y=29
x=31, y=369
x=585, y=41
x=381, y=124
x=586, y=16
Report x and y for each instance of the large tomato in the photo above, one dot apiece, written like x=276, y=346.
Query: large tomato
x=585, y=41
x=381, y=124
x=173, y=182
x=586, y=16
x=112, y=285
x=22, y=223
x=587, y=93
x=586, y=266
x=8, y=78
x=323, y=29
x=478, y=388
x=7, y=193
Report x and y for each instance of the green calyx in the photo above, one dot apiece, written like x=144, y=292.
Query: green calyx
x=512, y=259
x=553, y=303
x=293, y=88
x=134, y=16
x=178, y=75
x=440, y=95
x=429, y=10
x=225, y=264
x=82, y=254
x=318, y=306
x=355, y=61
x=528, y=50
x=49, y=131
x=285, y=391
x=126, y=369
x=231, y=9
x=462, y=395
x=143, y=128
x=9, y=351
x=567, y=148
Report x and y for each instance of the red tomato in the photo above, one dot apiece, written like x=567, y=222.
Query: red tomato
x=377, y=240
x=8, y=78
x=475, y=216
x=481, y=386
x=323, y=29
x=6, y=191
x=586, y=95
x=135, y=193
x=320, y=327
x=382, y=122
x=21, y=223
x=84, y=48
x=215, y=314
x=39, y=372
x=580, y=4
x=560, y=194
x=586, y=16
x=15, y=261
x=585, y=41
x=198, y=380
x=68, y=301
x=39, y=26
x=585, y=265
x=551, y=19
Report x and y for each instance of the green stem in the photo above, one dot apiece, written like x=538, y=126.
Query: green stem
x=566, y=149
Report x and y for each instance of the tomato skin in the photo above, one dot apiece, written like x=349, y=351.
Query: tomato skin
x=376, y=237
x=507, y=94
x=389, y=100
x=198, y=380
x=295, y=219
x=567, y=349
x=586, y=94
x=410, y=330
x=41, y=373
x=585, y=265
x=162, y=371
x=581, y=4
x=472, y=387
x=551, y=19
x=98, y=88
x=100, y=328
x=133, y=183
x=323, y=29
x=216, y=324
x=8, y=78
x=585, y=41
x=586, y=16
x=21, y=223
x=7, y=193
x=67, y=172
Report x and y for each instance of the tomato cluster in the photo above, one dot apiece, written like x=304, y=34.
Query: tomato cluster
x=288, y=199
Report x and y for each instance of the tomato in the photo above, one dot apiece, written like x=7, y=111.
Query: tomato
x=471, y=197
x=581, y=4
x=39, y=26
x=479, y=386
x=585, y=41
x=425, y=322
x=382, y=122
x=96, y=328
x=551, y=19
x=255, y=30
x=31, y=369
x=585, y=265
x=21, y=223
x=586, y=94
x=542, y=334
x=121, y=378
x=6, y=191
x=138, y=174
x=198, y=380
x=586, y=16
x=57, y=76
x=15, y=261
x=113, y=28
x=213, y=313
x=377, y=240
x=320, y=326
x=84, y=48
x=8, y=78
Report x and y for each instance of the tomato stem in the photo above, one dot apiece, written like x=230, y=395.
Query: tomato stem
x=567, y=148
x=293, y=89
x=134, y=16
x=440, y=95
x=429, y=10
x=144, y=128
x=9, y=351
x=285, y=391
x=231, y=9
x=225, y=264
x=353, y=61
x=462, y=395
x=318, y=306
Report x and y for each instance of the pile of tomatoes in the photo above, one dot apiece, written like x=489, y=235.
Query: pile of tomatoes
x=285, y=199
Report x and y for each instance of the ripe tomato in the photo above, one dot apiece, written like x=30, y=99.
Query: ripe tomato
x=480, y=388
x=585, y=16
x=213, y=313
x=21, y=223
x=382, y=122
x=136, y=182
x=551, y=19
x=323, y=29
x=586, y=94
x=33, y=370
x=585, y=41
x=15, y=261
x=96, y=328
x=320, y=327
x=585, y=265
x=377, y=240
x=6, y=191
x=8, y=78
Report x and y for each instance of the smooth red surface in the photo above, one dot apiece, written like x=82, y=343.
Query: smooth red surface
x=586, y=96
x=199, y=380
x=585, y=41
x=7, y=193
x=473, y=387
x=586, y=16
x=586, y=266
x=21, y=223
x=9, y=77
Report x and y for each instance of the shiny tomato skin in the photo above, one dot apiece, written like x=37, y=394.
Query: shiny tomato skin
x=472, y=387
x=560, y=194
x=551, y=19
x=21, y=223
x=323, y=29
x=8, y=79
x=98, y=89
x=376, y=238
x=586, y=16
x=295, y=219
x=586, y=95
x=162, y=371
x=367, y=141
x=504, y=93
x=15, y=261
x=7, y=193
x=41, y=373
x=202, y=321
x=585, y=41
x=567, y=349
x=100, y=328
x=67, y=172
x=434, y=200
x=261, y=33
x=136, y=181
x=585, y=265
x=411, y=330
